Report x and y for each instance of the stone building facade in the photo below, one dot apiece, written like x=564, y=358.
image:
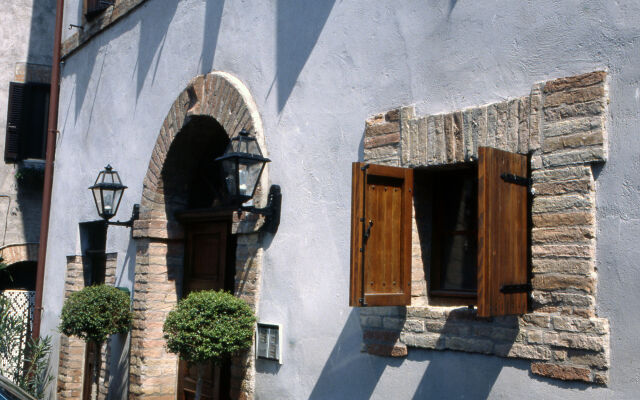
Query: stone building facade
x=432, y=81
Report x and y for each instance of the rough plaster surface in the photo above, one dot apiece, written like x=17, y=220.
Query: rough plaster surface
x=26, y=31
x=317, y=71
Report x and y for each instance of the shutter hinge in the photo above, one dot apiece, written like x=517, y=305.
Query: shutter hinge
x=364, y=167
x=362, y=302
x=508, y=289
x=518, y=180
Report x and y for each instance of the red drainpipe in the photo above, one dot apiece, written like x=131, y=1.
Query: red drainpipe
x=48, y=169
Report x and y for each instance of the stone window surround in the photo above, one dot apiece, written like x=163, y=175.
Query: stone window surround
x=562, y=124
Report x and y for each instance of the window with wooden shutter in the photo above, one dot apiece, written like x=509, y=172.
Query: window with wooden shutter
x=502, y=232
x=27, y=114
x=381, y=212
x=14, y=122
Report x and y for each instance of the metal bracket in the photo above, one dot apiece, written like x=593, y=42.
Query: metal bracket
x=364, y=167
x=362, y=302
x=271, y=211
x=135, y=214
x=508, y=289
x=518, y=180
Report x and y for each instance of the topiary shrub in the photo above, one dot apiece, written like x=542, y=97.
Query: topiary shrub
x=209, y=326
x=96, y=312
x=93, y=314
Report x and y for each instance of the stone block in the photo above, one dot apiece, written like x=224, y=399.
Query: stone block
x=382, y=129
x=518, y=350
x=579, y=217
x=479, y=128
x=382, y=140
x=583, y=155
x=574, y=95
x=588, y=358
x=449, y=138
x=575, y=266
x=563, y=251
x=568, y=234
x=512, y=125
x=562, y=203
x=585, y=125
x=536, y=320
x=563, y=372
x=584, y=80
x=413, y=325
x=562, y=299
x=556, y=188
x=573, y=141
x=458, y=137
x=389, y=151
x=564, y=282
x=469, y=344
x=598, y=326
x=470, y=142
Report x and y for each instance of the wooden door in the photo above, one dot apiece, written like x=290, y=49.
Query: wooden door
x=209, y=264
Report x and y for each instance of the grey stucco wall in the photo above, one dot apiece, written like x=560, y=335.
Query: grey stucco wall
x=26, y=36
x=316, y=72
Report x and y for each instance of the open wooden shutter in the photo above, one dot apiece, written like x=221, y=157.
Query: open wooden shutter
x=15, y=121
x=502, y=232
x=381, y=215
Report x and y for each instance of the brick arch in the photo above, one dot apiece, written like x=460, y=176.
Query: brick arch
x=218, y=95
x=160, y=246
x=14, y=253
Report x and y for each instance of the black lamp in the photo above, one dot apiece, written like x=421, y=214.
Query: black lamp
x=243, y=164
x=107, y=194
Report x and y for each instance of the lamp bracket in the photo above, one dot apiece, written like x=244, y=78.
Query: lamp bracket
x=135, y=214
x=271, y=211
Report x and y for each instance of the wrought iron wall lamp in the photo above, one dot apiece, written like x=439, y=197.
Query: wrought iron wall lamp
x=243, y=163
x=107, y=193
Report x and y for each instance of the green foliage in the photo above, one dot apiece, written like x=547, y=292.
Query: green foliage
x=209, y=326
x=96, y=312
x=28, y=368
x=35, y=377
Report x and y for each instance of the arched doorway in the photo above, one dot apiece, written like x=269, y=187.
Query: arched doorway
x=184, y=225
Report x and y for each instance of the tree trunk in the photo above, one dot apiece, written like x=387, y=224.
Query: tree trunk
x=96, y=371
x=201, y=367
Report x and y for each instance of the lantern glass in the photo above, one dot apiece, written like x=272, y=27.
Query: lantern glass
x=107, y=192
x=243, y=164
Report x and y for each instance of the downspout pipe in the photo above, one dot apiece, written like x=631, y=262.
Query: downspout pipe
x=52, y=129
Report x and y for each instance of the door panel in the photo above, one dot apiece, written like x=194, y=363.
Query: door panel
x=209, y=264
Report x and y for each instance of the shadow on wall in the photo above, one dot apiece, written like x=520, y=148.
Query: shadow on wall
x=350, y=374
x=299, y=27
x=121, y=344
x=212, y=20
x=153, y=32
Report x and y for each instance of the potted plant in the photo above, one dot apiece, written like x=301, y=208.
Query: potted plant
x=209, y=326
x=93, y=314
